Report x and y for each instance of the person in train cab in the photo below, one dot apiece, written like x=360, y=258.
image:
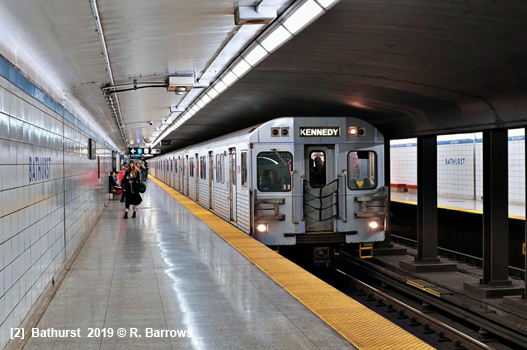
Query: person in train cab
x=130, y=184
x=318, y=173
x=271, y=182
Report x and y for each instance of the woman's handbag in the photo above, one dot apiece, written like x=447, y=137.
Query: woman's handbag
x=141, y=187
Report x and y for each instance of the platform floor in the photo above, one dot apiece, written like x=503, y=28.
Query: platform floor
x=167, y=270
x=469, y=205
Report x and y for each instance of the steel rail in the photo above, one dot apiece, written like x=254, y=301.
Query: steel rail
x=448, y=329
x=488, y=323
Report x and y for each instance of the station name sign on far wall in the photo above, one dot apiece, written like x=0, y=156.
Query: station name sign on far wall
x=320, y=131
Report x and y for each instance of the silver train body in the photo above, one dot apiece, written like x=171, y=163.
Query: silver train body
x=342, y=199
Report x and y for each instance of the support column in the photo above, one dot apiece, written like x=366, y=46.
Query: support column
x=495, y=282
x=387, y=180
x=427, y=199
x=427, y=259
x=495, y=208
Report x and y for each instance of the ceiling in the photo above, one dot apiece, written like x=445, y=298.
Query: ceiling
x=409, y=67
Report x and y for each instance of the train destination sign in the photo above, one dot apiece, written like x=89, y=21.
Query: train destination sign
x=318, y=131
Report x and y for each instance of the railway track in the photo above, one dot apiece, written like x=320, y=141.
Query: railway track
x=439, y=322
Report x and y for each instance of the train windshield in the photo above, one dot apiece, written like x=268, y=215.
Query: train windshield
x=274, y=171
x=362, y=170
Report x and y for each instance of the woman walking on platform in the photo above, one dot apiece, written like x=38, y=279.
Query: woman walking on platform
x=132, y=179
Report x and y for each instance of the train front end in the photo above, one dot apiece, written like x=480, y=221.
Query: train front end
x=318, y=184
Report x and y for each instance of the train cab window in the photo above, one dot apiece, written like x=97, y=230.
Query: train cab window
x=274, y=171
x=244, y=169
x=362, y=170
x=317, y=169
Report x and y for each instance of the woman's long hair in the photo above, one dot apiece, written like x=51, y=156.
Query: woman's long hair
x=132, y=170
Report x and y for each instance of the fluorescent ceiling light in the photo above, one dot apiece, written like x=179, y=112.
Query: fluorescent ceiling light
x=302, y=16
x=205, y=98
x=255, y=55
x=240, y=68
x=220, y=86
x=194, y=109
x=200, y=103
x=326, y=3
x=229, y=78
x=212, y=93
x=276, y=38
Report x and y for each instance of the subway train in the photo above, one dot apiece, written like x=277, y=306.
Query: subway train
x=303, y=181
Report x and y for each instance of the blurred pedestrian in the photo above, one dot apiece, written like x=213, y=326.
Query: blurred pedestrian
x=132, y=179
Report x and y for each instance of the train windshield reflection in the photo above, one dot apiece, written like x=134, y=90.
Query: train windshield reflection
x=274, y=171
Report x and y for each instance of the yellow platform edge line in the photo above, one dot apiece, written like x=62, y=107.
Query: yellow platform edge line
x=335, y=308
x=472, y=211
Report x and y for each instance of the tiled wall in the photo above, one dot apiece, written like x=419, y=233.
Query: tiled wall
x=50, y=197
x=460, y=165
x=403, y=157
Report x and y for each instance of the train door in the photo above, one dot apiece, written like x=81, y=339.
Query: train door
x=211, y=176
x=197, y=174
x=232, y=183
x=320, y=188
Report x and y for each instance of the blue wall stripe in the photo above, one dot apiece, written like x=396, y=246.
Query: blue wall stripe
x=8, y=71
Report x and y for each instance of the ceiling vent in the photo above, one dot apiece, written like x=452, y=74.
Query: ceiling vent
x=180, y=83
x=254, y=14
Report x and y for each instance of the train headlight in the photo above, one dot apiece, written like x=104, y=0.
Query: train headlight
x=373, y=225
x=261, y=228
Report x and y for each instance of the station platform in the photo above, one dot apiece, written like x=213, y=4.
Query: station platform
x=516, y=211
x=178, y=267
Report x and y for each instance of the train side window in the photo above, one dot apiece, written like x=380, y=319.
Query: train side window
x=222, y=164
x=217, y=168
x=204, y=168
x=233, y=167
x=362, y=170
x=244, y=169
x=274, y=171
x=191, y=167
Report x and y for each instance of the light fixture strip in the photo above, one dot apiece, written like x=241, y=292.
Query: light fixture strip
x=117, y=112
x=294, y=20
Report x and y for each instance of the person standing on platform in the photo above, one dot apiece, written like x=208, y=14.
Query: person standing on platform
x=130, y=189
x=145, y=171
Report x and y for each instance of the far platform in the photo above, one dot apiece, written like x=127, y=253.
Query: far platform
x=516, y=211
